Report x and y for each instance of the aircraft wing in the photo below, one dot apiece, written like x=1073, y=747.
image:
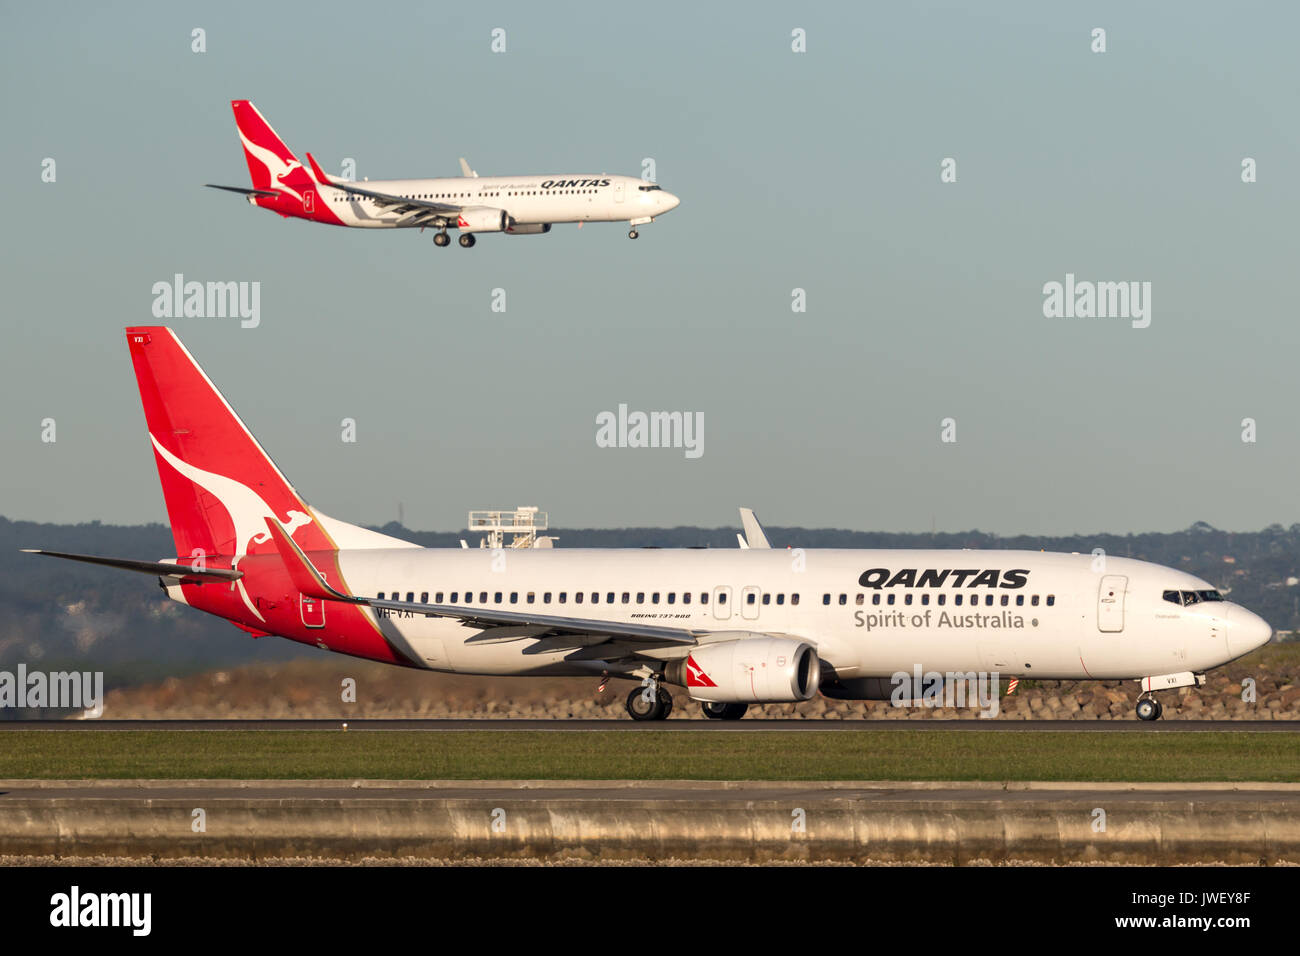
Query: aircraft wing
x=413, y=211
x=309, y=582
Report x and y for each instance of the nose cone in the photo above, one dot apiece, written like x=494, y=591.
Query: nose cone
x=1246, y=631
x=670, y=201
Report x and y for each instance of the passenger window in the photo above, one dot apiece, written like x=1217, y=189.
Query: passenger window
x=640, y=597
x=437, y=598
x=767, y=599
x=956, y=599
x=988, y=600
x=514, y=597
x=749, y=598
x=482, y=597
x=826, y=599
x=686, y=597
x=1006, y=599
x=943, y=598
x=532, y=596
x=1033, y=601
x=625, y=597
x=722, y=598
x=424, y=597
x=497, y=597
x=844, y=599
x=654, y=598
x=794, y=598
x=577, y=597
x=1051, y=599
x=925, y=599
x=381, y=596
x=907, y=598
x=454, y=595
x=546, y=597
x=875, y=598
x=1020, y=600
x=672, y=597
x=890, y=599
x=564, y=596
x=609, y=597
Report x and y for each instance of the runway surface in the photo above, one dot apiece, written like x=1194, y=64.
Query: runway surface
x=674, y=726
x=803, y=794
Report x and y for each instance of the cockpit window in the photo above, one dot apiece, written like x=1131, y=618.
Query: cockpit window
x=1186, y=598
x=648, y=189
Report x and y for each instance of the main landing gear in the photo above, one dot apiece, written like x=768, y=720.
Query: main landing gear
x=649, y=702
x=466, y=240
x=715, y=711
x=441, y=239
x=1148, y=708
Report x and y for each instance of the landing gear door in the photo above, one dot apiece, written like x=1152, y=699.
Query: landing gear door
x=722, y=603
x=1110, y=603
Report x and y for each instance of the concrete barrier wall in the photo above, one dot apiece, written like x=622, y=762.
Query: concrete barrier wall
x=695, y=823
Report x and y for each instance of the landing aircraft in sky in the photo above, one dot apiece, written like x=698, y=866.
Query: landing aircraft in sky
x=733, y=627
x=514, y=205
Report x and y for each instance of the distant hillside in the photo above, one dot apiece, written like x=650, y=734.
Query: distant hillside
x=62, y=614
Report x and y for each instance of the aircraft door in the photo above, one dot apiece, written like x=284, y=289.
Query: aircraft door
x=309, y=200
x=312, y=610
x=722, y=603
x=1110, y=603
x=749, y=603
x=618, y=190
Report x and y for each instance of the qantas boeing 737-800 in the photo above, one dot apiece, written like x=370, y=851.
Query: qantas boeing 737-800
x=514, y=205
x=734, y=627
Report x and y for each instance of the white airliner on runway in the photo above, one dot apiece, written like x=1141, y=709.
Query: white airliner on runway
x=514, y=205
x=733, y=627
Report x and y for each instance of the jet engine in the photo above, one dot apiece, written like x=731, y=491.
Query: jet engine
x=483, y=220
x=753, y=669
x=530, y=229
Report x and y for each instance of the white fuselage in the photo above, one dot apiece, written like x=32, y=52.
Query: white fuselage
x=1015, y=612
x=529, y=200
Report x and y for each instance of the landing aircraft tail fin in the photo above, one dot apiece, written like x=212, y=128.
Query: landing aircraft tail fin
x=218, y=483
x=271, y=164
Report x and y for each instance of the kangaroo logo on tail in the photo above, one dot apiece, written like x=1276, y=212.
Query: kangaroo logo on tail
x=246, y=508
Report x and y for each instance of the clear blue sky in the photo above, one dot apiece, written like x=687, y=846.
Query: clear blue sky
x=817, y=170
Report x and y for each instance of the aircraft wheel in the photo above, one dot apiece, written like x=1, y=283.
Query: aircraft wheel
x=1148, y=709
x=641, y=709
x=633, y=234
x=466, y=239
x=716, y=711
x=441, y=239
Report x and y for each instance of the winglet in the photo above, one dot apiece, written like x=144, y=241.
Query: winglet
x=319, y=174
x=302, y=572
x=753, y=530
x=465, y=170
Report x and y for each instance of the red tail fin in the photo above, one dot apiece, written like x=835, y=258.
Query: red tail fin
x=271, y=164
x=218, y=483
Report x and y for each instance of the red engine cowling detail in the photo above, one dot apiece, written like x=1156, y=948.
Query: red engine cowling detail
x=751, y=670
x=483, y=220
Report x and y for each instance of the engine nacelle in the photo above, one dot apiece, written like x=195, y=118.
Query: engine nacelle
x=753, y=669
x=483, y=220
x=529, y=229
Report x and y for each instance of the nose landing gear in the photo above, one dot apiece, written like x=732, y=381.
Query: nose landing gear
x=1148, y=708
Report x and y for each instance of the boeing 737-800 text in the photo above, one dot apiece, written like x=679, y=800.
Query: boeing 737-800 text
x=733, y=627
x=514, y=205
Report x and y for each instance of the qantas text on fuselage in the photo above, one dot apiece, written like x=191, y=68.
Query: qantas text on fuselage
x=514, y=205
x=733, y=627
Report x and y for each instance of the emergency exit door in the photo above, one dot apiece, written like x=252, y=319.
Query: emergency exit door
x=1110, y=603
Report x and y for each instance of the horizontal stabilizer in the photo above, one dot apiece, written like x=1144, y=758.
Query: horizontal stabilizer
x=244, y=191
x=148, y=567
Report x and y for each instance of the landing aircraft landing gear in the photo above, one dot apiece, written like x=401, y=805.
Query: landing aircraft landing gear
x=466, y=239
x=715, y=711
x=1148, y=708
x=441, y=239
x=650, y=702
x=633, y=234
